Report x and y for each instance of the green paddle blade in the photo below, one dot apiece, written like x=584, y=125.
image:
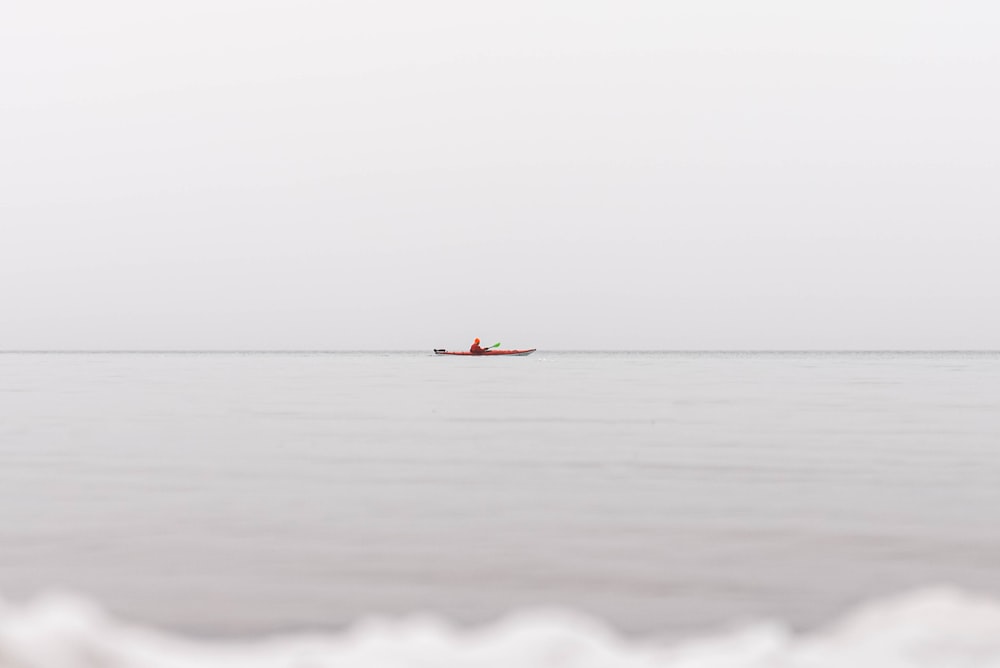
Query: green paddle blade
x=495, y=345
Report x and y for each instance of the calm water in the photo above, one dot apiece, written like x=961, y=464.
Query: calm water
x=247, y=493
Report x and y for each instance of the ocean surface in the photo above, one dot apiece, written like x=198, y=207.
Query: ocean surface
x=229, y=498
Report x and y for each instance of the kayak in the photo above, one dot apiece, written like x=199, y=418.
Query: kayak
x=488, y=353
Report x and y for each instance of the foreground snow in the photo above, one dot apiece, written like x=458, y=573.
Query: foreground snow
x=933, y=627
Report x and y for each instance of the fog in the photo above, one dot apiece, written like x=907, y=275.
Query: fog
x=561, y=175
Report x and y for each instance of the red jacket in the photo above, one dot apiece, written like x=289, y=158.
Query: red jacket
x=476, y=348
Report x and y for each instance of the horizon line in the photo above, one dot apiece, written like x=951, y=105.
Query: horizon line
x=294, y=351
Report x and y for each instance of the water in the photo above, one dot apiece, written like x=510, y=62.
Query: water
x=662, y=493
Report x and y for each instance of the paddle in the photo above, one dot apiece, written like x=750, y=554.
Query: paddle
x=495, y=345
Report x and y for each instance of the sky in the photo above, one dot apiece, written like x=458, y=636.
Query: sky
x=215, y=174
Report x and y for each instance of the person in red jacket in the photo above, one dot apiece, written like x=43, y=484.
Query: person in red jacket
x=476, y=349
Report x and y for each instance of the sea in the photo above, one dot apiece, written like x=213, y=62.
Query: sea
x=397, y=508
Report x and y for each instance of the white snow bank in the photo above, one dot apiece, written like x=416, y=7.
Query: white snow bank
x=933, y=628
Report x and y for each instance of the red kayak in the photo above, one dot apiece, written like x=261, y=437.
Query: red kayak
x=488, y=353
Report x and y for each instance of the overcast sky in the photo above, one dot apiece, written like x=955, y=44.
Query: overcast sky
x=578, y=175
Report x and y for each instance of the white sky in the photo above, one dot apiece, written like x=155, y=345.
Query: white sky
x=711, y=174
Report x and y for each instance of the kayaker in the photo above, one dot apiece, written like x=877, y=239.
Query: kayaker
x=476, y=349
